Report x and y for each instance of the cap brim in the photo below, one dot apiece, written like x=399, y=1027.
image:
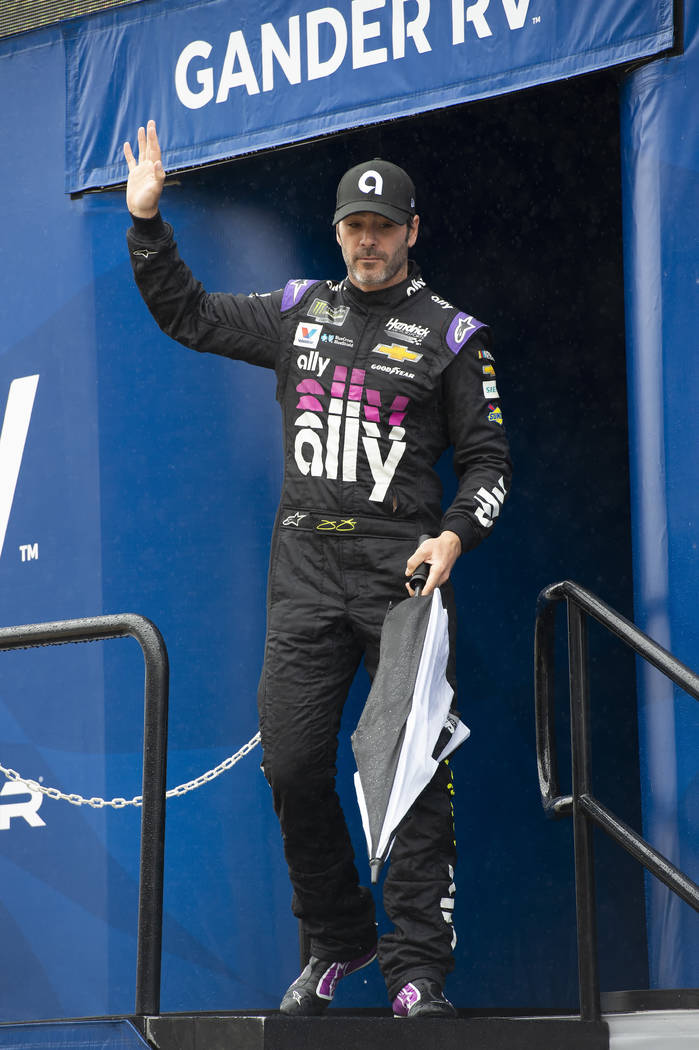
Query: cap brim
x=387, y=210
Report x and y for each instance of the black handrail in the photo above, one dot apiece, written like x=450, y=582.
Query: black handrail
x=581, y=804
x=150, y=901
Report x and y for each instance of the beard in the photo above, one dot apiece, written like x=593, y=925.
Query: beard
x=392, y=264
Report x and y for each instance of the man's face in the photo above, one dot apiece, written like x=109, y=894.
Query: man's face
x=375, y=249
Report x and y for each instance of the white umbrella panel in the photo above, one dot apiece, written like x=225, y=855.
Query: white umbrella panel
x=407, y=727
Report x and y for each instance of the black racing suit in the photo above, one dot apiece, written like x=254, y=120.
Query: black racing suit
x=373, y=388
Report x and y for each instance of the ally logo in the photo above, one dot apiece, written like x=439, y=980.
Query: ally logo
x=26, y=808
x=18, y=413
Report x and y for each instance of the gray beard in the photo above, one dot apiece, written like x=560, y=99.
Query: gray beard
x=389, y=271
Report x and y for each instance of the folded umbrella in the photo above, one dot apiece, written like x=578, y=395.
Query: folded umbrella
x=407, y=727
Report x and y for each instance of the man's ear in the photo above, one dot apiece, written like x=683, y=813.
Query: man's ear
x=337, y=234
x=412, y=232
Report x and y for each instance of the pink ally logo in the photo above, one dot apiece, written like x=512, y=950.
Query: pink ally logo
x=337, y=454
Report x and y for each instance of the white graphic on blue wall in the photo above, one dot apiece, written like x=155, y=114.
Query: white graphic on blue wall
x=15, y=426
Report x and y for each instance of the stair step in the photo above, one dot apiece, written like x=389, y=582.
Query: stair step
x=274, y=1032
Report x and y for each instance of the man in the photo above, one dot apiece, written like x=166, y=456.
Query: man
x=376, y=377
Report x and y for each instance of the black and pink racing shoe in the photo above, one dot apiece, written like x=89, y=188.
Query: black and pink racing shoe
x=422, y=998
x=313, y=989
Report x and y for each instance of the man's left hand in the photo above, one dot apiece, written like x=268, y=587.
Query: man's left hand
x=440, y=553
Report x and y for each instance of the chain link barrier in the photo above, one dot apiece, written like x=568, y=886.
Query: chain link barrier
x=120, y=803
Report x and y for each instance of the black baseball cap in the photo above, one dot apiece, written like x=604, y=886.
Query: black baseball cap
x=376, y=185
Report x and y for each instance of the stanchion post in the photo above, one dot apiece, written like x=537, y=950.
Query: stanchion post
x=150, y=904
x=588, y=974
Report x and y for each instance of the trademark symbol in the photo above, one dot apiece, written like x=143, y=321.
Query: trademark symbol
x=29, y=551
x=536, y=20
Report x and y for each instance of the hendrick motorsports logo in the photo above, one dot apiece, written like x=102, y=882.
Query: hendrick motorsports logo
x=411, y=332
x=18, y=413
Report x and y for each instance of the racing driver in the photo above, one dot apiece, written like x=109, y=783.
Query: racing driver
x=400, y=376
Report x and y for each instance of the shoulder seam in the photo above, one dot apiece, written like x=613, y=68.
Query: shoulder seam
x=297, y=289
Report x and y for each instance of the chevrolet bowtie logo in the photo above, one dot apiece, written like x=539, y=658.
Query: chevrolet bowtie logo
x=396, y=352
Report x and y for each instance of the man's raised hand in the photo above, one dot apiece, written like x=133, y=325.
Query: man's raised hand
x=146, y=176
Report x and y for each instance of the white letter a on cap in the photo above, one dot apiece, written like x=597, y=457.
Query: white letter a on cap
x=371, y=180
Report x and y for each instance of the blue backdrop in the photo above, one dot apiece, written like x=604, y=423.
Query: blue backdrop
x=661, y=209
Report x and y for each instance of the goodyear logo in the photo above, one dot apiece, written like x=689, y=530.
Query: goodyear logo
x=397, y=353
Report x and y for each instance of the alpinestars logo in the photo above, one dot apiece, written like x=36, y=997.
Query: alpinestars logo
x=463, y=327
x=298, y=287
x=328, y=443
x=489, y=503
x=18, y=413
x=294, y=519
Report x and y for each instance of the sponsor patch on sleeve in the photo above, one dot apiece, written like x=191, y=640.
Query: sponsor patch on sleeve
x=495, y=414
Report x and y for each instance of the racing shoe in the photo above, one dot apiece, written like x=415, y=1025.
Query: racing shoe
x=314, y=988
x=422, y=998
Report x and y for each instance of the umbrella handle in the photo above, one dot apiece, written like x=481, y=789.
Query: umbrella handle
x=419, y=578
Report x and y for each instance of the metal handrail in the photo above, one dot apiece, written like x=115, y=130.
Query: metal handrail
x=581, y=804
x=150, y=901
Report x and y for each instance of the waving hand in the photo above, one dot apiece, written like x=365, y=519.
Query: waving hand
x=146, y=177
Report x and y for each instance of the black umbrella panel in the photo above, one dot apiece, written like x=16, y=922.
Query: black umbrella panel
x=407, y=727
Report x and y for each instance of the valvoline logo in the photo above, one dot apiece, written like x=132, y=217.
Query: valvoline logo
x=15, y=426
x=308, y=335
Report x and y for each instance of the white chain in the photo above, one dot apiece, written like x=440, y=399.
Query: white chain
x=119, y=803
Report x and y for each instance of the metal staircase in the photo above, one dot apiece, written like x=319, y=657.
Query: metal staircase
x=378, y=1030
